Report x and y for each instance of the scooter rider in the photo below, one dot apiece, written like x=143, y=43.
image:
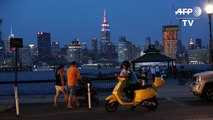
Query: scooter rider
x=124, y=70
x=129, y=89
x=124, y=73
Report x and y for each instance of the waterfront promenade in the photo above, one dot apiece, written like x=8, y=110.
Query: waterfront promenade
x=170, y=90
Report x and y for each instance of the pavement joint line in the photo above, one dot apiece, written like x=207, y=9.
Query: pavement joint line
x=171, y=99
x=7, y=118
x=59, y=113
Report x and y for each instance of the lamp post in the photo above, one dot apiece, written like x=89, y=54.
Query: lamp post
x=209, y=11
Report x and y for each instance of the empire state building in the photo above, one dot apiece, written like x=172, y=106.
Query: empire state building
x=105, y=34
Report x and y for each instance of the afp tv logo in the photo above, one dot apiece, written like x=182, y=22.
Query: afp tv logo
x=188, y=15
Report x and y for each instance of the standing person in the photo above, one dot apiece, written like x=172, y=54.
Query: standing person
x=73, y=75
x=141, y=70
x=60, y=85
x=174, y=71
x=146, y=71
x=157, y=71
x=153, y=73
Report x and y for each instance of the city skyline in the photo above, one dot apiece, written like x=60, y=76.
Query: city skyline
x=73, y=19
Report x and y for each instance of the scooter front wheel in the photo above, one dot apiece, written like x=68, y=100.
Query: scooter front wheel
x=111, y=107
x=152, y=104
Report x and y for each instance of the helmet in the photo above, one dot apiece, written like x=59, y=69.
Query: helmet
x=126, y=63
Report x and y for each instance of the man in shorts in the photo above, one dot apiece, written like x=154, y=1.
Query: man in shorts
x=73, y=75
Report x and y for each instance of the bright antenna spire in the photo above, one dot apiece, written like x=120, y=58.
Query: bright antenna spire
x=11, y=29
x=105, y=20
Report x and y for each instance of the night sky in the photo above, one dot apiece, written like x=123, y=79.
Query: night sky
x=70, y=19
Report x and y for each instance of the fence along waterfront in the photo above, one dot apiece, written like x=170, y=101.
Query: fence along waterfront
x=40, y=87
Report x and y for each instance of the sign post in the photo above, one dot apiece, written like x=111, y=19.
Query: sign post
x=16, y=43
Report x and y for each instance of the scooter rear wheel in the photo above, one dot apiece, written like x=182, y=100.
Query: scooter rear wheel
x=111, y=107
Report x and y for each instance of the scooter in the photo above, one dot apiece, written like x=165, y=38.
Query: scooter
x=146, y=96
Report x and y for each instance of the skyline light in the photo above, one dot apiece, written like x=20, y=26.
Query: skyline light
x=70, y=19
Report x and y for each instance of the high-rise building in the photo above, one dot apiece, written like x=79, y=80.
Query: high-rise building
x=198, y=43
x=24, y=57
x=44, y=46
x=191, y=44
x=126, y=50
x=33, y=53
x=84, y=45
x=55, y=48
x=0, y=30
x=147, y=43
x=157, y=45
x=135, y=52
x=1, y=45
x=123, y=47
x=74, y=51
x=93, y=54
x=182, y=56
x=170, y=38
x=9, y=59
x=105, y=34
x=108, y=51
x=94, y=45
x=8, y=50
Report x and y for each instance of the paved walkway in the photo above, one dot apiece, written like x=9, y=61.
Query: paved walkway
x=171, y=89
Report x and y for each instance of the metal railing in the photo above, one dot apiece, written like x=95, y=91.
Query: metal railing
x=47, y=87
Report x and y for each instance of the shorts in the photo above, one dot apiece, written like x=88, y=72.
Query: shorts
x=73, y=90
x=58, y=87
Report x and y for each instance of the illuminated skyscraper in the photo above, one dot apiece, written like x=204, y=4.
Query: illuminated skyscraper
x=74, y=51
x=105, y=34
x=44, y=45
x=170, y=38
x=107, y=49
x=127, y=50
x=123, y=49
x=33, y=53
x=191, y=44
x=8, y=50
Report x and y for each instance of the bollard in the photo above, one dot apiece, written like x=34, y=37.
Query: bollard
x=16, y=101
x=89, y=96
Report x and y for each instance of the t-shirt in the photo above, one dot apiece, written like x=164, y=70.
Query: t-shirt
x=123, y=72
x=73, y=75
x=153, y=70
x=157, y=69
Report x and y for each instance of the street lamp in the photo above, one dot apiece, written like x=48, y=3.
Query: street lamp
x=209, y=11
